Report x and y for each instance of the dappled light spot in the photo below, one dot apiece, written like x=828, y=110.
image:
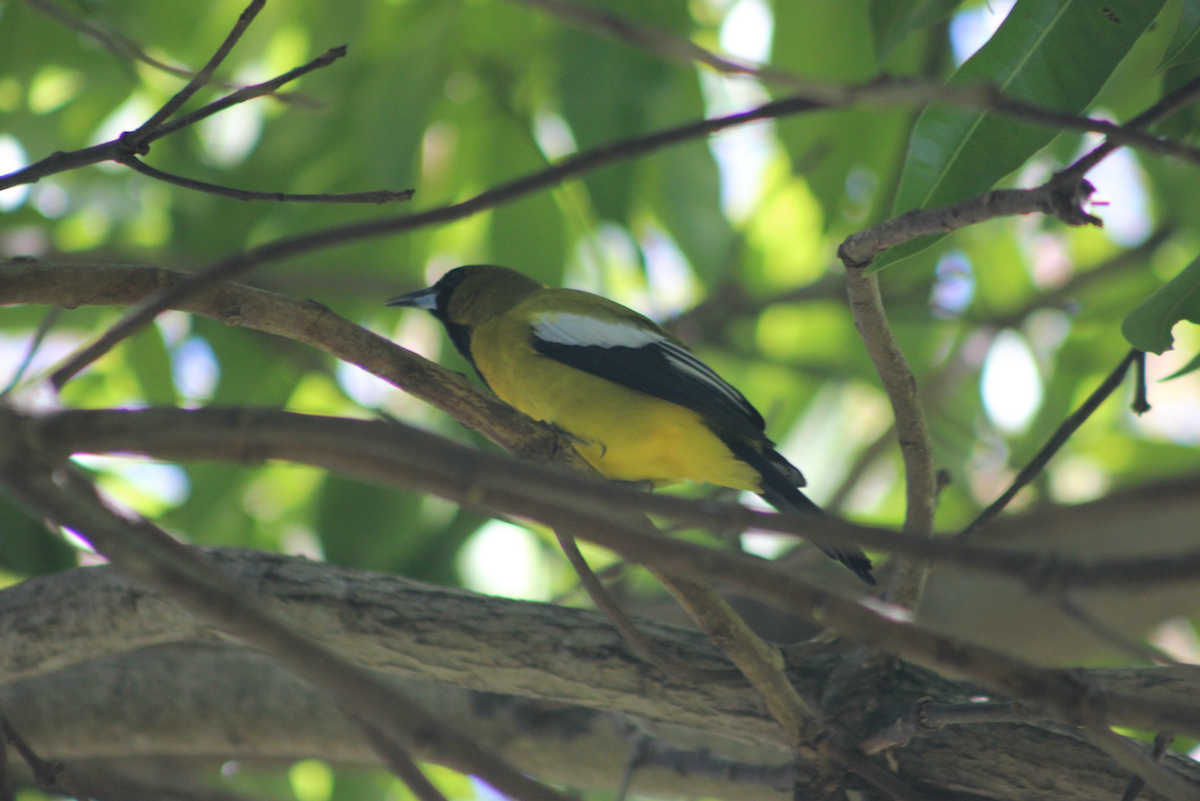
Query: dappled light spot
x=505, y=560
x=12, y=158
x=972, y=27
x=1011, y=385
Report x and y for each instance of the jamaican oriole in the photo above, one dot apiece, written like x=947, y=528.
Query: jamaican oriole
x=634, y=401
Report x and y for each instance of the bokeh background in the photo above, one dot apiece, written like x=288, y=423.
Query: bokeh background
x=730, y=241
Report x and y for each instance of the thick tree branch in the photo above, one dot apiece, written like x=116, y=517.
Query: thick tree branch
x=158, y=561
x=407, y=457
x=203, y=696
x=393, y=454
x=751, y=656
x=305, y=321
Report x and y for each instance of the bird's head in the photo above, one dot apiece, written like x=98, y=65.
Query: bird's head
x=470, y=295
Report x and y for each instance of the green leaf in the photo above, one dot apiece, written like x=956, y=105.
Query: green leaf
x=1190, y=367
x=683, y=188
x=893, y=20
x=594, y=79
x=1185, y=46
x=526, y=235
x=1055, y=53
x=849, y=158
x=1148, y=327
x=147, y=355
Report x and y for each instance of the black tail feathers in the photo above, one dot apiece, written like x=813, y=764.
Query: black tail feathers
x=778, y=491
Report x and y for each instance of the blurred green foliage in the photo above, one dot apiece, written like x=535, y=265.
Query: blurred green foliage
x=451, y=97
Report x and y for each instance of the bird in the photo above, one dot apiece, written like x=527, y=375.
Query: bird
x=629, y=396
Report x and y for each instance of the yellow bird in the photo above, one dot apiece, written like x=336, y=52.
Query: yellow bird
x=634, y=401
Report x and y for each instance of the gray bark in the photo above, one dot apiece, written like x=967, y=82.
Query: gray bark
x=95, y=667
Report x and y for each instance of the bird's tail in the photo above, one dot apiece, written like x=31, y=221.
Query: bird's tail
x=780, y=491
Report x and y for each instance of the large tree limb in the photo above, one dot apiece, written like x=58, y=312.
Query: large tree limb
x=419, y=632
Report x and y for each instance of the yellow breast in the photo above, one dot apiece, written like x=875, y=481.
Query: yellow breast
x=625, y=434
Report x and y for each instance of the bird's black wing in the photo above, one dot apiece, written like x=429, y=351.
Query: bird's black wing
x=646, y=360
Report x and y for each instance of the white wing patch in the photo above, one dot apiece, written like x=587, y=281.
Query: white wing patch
x=579, y=329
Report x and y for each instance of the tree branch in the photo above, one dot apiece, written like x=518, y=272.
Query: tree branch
x=306, y=321
x=381, y=196
x=883, y=92
x=95, y=652
x=136, y=138
x=121, y=147
x=1052, y=446
x=1055, y=198
x=396, y=454
x=155, y=559
x=639, y=641
x=921, y=489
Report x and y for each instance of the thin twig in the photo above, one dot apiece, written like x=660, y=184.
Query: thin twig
x=1062, y=196
x=136, y=138
x=635, y=637
x=1165, y=107
x=48, y=775
x=377, y=197
x=916, y=446
x=1138, y=650
x=240, y=263
x=1161, y=741
x=116, y=149
x=35, y=343
x=1056, y=441
x=399, y=762
x=1141, y=404
x=1056, y=198
x=928, y=718
x=247, y=93
x=1132, y=756
x=124, y=47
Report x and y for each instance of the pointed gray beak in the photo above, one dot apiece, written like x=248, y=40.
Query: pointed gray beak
x=421, y=299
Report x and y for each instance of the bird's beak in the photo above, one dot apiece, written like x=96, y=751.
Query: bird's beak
x=421, y=299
